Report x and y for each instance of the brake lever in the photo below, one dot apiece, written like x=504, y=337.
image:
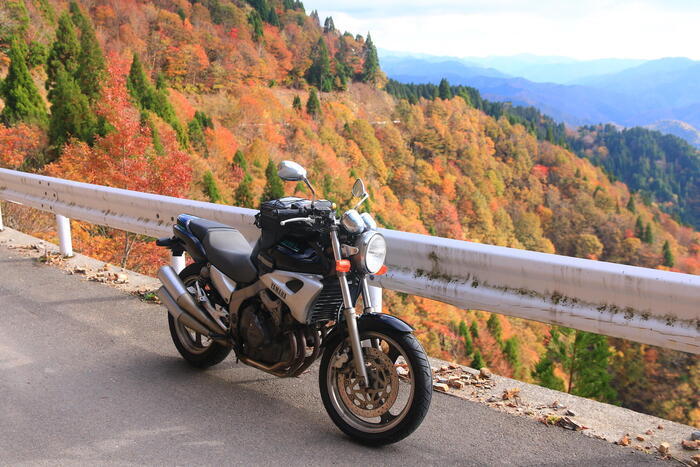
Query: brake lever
x=308, y=220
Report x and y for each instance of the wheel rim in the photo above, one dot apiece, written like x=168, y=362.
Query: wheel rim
x=387, y=401
x=190, y=339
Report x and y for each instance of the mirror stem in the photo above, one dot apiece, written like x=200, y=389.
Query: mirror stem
x=359, y=203
x=313, y=192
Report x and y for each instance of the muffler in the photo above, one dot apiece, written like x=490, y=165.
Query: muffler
x=182, y=306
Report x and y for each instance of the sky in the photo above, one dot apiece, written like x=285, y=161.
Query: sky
x=582, y=29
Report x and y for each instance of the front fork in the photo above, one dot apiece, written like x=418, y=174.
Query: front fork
x=349, y=313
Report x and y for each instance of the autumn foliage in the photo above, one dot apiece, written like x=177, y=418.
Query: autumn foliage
x=216, y=99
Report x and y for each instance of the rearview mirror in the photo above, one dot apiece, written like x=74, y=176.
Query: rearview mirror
x=358, y=189
x=290, y=171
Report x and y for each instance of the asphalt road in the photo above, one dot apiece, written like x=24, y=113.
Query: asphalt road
x=89, y=376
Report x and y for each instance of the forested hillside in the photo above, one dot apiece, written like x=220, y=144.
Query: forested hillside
x=202, y=99
x=662, y=168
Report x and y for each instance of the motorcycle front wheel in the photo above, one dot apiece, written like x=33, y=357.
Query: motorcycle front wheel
x=399, y=392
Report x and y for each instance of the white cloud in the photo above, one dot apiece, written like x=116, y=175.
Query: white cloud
x=580, y=29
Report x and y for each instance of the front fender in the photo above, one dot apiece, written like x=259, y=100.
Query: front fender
x=379, y=322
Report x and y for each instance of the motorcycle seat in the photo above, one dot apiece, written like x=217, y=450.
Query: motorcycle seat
x=226, y=249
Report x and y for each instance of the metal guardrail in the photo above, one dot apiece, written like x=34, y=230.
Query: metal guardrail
x=645, y=305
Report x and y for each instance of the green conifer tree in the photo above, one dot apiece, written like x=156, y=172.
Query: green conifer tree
x=296, y=103
x=669, y=260
x=370, y=69
x=204, y=120
x=444, y=89
x=639, y=228
x=92, y=68
x=494, y=326
x=139, y=85
x=313, y=105
x=511, y=349
x=543, y=374
x=256, y=25
x=23, y=103
x=155, y=100
x=239, y=160
x=462, y=329
x=211, y=189
x=584, y=357
x=273, y=188
x=196, y=137
x=243, y=195
x=478, y=361
x=37, y=54
x=468, y=344
x=474, y=330
x=65, y=52
x=631, y=207
x=648, y=234
x=319, y=73
x=71, y=116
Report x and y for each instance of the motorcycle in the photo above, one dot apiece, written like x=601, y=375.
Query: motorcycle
x=290, y=299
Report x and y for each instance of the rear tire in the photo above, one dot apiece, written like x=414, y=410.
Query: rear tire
x=189, y=344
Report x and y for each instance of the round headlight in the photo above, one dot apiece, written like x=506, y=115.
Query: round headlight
x=352, y=221
x=372, y=254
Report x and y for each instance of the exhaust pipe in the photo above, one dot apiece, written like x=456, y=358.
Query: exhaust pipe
x=178, y=313
x=182, y=305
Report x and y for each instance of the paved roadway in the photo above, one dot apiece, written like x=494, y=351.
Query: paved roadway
x=89, y=376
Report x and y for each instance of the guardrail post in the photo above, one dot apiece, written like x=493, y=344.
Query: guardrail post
x=2, y=226
x=375, y=296
x=178, y=263
x=65, y=243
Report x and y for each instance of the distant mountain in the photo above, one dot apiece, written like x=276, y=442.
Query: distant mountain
x=424, y=70
x=677, y=128
x=670, y=83
x=630, y=93
x=575, y=105
x=560, y=70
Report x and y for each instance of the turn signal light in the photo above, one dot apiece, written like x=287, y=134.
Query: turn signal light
x=382, y=270
x=342, y=265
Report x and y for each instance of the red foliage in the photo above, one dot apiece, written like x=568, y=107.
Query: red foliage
x=126, y=157
x=18, y=143
x=541, y=171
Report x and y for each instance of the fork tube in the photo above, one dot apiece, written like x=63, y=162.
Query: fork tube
x=367, y=296
x=349, y=314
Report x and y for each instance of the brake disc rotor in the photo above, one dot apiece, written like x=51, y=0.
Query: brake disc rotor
x=379, y=397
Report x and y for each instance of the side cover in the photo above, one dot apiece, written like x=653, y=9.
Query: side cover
x=298, y=291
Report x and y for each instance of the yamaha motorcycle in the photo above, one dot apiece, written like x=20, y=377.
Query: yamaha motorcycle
x=290, y=299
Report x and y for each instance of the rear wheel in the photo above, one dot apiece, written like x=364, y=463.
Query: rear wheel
x=399, y=392
x=199, y=351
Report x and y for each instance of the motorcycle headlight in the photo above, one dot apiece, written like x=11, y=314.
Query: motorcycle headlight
x=372, y=254
x=352, y=221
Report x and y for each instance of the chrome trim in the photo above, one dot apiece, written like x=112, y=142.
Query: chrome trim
x=352, y=221
x=178, y=292
x=369, y=221
x=360, y=260
x=366, y=296
x=349, y=314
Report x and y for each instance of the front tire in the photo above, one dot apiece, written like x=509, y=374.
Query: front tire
x=198, y=350
x=397, y=401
